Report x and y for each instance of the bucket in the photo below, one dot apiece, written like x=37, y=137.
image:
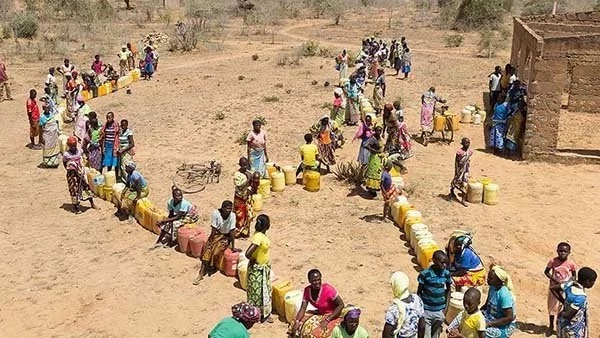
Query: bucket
x=290, y=174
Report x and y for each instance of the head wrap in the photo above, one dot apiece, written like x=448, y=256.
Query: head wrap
x=400, y=283
x=504, y=277
x=338, y=91
x=245, y=312
x=351, y=312
x=124, y=47
x=75, y=73
x=131, y=165
x=80, y=98
x=72, y=141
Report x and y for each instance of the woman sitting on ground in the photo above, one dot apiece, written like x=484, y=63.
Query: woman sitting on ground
x=499, y=309
x=135, y=189
x=466, y=266
x=349, y=327
x=181, y=212
x=222, y=236
x=405, y=317
x=243, y=317
x=328, y=304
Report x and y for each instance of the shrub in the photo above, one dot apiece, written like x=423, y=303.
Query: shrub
x=241, y=77
x=477, y=14
x=454, y=40
x=279, y=85
x=536, y=7
x=255, y=57
x=219, y=116
x=262, y=119
x=309, y=48
x=241, y=139
x=24, y=25
x=5, y=31
x=487, y=42
x=351, y=172
x=270, y=99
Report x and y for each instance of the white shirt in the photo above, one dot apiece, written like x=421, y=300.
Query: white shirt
x=495, y=82
x=67, y=69
x=512, y=78
x=221, y=225
x=50, y=79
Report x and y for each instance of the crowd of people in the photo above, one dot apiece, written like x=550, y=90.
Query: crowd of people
x=384, y=146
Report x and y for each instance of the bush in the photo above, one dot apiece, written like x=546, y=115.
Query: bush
x=24, y=25
x=270, y=99
x=309, y=48
x=537, y=7
x=478, y=14
x=262, y=119
x=219, y=116
x=255, y=57
x=454, y=40
x=5, y=31
x=351, y=172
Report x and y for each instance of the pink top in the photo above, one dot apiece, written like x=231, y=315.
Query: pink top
x=361, y=131
x=97, y=66
x=561, y=270
x=325, y=303
x=257, y=140
x=337, y=102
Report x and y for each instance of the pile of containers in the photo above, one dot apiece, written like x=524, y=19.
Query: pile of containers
x=483, y=190
x=470, y=114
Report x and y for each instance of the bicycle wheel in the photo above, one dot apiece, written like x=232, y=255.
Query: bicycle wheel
x=187, y=186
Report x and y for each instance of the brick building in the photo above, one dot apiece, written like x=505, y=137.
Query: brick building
x=558, y=57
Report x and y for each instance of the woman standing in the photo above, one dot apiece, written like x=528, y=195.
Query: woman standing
x=374, y=167
x=428, y=101
x=404, y=318
x=337, y=113
x=326, y=143
x=222, y=236
x=343, y=65
x=256, y=148
x=389, y=191
x=51, y=84
x=328, y=304
x=352, y=108
x=499, y=309
x=364, y=133
x=109, y=143
x=50, y=144
x=498, y=132
x=573, y=321
x=126, y=149
x=465, y=265
x=259, y=269
x=149, y=63
x=406, y=62
x=242, y=180
x=462, y=164
x=379, y=91
x=391, y=126
x=91, y=142
x=78, y=187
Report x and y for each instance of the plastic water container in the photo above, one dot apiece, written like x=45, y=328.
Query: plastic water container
x=124, y=81
x=475, y=192
x=402, y=214
x=89, y=176
x=425, y=250
x=264, y=188
x=117, y=190
x=184, y=234
x=490, y=194
x=414, y=229
x=412, y=217
x=423, y=244
x=277, y=181
x=439, y=123
x=270, y=167
x=471, y=108
x=196, y=244
x=108, y=192
x=141, y=209
x=290, y=174
x=396, y=208
x=151, y=217
x=313, y=180
x=455, y=306
x=242, y=271
x=291, y=301
x=398, y=181
x=110, y=178
x=229, y=263
x=477, y=118
x=257, y=202
x=135, y=75
x=278, y=296
x=62, y=143
x=466, y=116
x=419, y=235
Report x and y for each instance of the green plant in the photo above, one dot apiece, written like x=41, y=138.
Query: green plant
x=6, y=31
x=327, y=105
x=351, y=172
x=219, y=116
x=241, y=139
x=454, y=40
x=309, y=48
x=537, y=7
x=262, y=119
x=270, y=99
x=479, y=14
x=24, y=25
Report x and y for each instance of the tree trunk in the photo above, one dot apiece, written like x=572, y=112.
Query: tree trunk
x=390, y=18
x=164, y=3
x=127, y=5
x=554, y=7
x=337, y=19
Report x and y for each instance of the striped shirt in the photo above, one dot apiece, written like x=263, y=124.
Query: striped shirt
x=434, y=287
x=109, y=133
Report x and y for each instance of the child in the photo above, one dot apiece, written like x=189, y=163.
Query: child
x=462, y=164
x=573, y=319
x=559, y=270
x=309, y=154
x=470, y=323
x=434, y=287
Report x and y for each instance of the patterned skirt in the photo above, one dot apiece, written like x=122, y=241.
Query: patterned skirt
x=327, y=153
x=78, y=187
x=259, y=288
x=214, y=249
x=311, y=327
x=243, y=216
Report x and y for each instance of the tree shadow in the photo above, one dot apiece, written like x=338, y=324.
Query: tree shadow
x=531, y=328
x=359, y=191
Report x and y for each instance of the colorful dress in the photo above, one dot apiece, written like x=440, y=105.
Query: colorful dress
x=229, y=328
x=468, y=260
x=340, y=332
x=127, y=156
x=184, y=206
x=499, y=299
x=462, y=165
x=259, y=275
x=575, y=298
x=242, y=205
x=429, y=99
x=91, y=143
x=51, y=146
x=515, y=131
x=78, y=187
x=413, y=311
x=390, y=191
x=352, y=108
x=374, y=166
x=378, y=92
x=326, y=145
x=325, y=305
x=134, y=181
x=110, y=144
x=258, y=158
x=498, y=131
x=218, y=241
x=363, y=133
x=563, y=271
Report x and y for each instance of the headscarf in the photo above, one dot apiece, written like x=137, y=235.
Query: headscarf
x=339, y=91
x=400, y=283
x=72, y=141
x=504, y=277
x=80, y=98
x=351, y=312
x=130, y=165
x=245, y=312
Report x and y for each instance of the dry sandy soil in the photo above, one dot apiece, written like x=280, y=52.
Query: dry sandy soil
x=89, y=275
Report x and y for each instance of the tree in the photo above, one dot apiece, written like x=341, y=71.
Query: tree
x=477, y=14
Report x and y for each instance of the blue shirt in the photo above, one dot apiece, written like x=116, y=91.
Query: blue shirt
x=386, y=180
x=134, y=179
x=183, y=206
x=468, y=260
x=433, y=288
x=499, y=299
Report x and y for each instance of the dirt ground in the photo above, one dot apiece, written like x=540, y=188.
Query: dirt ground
x=90, y=275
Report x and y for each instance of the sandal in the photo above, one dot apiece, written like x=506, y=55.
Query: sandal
x=198, y=280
